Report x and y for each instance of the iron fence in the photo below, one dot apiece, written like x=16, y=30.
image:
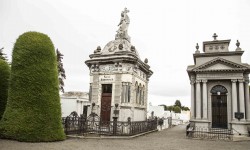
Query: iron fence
x=209, y=133
x=74, y=124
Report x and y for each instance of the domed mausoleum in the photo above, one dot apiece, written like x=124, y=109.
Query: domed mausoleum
x=119, y=78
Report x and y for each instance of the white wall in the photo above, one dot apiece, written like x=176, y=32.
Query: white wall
x=139, y=115
x=124, y=114
x=68, y=105
x=158, y=111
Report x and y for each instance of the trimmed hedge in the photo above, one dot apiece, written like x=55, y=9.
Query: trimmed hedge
x=33, y=111
x=4, y=77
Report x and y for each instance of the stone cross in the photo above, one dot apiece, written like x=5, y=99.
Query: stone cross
x=215, y=36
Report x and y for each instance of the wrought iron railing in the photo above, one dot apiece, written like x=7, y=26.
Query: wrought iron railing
x=209, y=133
x=74, y=124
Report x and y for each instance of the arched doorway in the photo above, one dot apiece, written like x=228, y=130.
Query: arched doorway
x=219, y=106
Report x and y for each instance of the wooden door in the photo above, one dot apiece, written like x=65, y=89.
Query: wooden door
x=106, y=102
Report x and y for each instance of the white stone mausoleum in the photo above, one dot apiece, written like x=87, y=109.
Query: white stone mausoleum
x=119, y=77
x=219, y=87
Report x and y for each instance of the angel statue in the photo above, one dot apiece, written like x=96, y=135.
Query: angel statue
x=122, y=32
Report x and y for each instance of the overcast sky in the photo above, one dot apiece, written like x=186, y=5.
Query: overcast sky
x=164, y=31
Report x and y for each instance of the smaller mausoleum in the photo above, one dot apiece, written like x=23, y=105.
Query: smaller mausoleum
x=220, y=87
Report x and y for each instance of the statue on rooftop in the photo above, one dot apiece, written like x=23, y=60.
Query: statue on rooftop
x=122, y=32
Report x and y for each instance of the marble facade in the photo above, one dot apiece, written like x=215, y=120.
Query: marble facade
x=220, y=87
x=119, y=68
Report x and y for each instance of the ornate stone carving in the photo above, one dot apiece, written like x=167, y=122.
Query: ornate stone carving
x=222, y=47
x=204, y=81
x=98, y=49
x=246, y=78
x=197, y=81
x=192, y=81
x=120, y=46
x=107, y=68
x=132, y=48
x=94, y=68
x=240, y=80
x=135, y=68
x=122, y=32
x=233, y=80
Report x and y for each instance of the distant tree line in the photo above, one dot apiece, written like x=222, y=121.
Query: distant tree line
x=177, y=107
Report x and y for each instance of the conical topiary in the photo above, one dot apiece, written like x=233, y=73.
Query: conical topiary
x=4, y=77
x=33, y=110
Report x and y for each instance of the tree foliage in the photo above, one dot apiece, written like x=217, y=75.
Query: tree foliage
x=177, y=109
x=170, y=108
x=4, y=79
x=2, y=55
x=33, y=110
x=185, y=108
x=165, y=107
x=61, y=71
x=177, y=103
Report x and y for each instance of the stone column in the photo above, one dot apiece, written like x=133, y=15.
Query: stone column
x=192, y=99
x=241, y=98
x=198, y=100
x=247, y=99
x=204, y=98
x=234, y=97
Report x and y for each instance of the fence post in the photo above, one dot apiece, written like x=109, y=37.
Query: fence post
x=66, y=125
x=156, y=122
x=129, y=126
x=114, y=125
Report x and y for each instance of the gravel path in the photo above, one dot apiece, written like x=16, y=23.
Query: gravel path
x=169, y=139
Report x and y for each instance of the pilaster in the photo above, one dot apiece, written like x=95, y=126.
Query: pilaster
x=234, y=98
x=247, y=98
x=192, y=82
x=204, y=98
x=198, y=99
x=241, y=98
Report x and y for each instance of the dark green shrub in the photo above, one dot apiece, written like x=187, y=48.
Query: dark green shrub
x=4, y=77
x=177, y=109
x=33, y=111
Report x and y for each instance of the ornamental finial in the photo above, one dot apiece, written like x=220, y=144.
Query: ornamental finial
x=197, y=48
x=238, y=46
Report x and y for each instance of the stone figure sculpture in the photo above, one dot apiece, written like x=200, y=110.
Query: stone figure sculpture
x=122, y=32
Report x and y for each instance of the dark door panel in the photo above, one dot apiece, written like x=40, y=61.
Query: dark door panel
x=219, y=111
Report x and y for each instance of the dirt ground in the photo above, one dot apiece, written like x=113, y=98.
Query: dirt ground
x=168, y=139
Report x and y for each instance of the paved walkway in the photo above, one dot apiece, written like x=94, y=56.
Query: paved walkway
x=169, y=139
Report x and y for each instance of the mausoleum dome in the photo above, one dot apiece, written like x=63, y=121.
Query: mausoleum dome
x=117, y=46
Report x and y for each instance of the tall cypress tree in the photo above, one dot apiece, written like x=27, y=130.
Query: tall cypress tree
x=33, y=110
x=4, y=78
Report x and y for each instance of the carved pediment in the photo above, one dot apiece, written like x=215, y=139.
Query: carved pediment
x=220, y=64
